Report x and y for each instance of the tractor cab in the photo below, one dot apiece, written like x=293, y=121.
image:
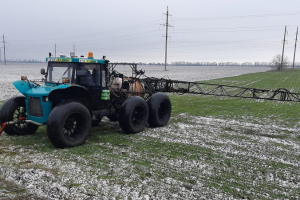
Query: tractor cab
x=87, y=72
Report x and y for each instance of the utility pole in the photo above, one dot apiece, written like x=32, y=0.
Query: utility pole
x=55, y=51
x=4, y=49
x=295, y=48
x=167, y=25
x=283, y=48
x=74, y=48
x=0, y=55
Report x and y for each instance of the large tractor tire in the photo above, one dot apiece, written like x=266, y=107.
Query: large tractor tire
x=12, y=110
x=69, y=125
x=133, y=115
x=160, y=109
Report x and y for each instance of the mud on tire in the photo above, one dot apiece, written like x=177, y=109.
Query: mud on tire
x=69, y=125
x=12, y=110
x=133, y=115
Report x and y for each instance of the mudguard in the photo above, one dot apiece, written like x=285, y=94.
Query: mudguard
x=73, y=93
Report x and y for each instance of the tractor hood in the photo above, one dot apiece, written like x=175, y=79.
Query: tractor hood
x=55, y=93
x=32, y=89
x=40, y=99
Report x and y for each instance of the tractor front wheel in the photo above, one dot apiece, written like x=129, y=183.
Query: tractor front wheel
x=69, y=125
x=12, y=110
x=133, y=115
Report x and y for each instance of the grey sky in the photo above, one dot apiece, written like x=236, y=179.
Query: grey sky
x=128, y=30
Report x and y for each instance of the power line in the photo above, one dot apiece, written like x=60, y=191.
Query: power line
x=230, y=30
x=112, y=38
x=90, y=34
x=126, y=46
x=99, y=40
x=90, y=41
x=241, y=27
x=217, y=48
x=202, y=53
x=230, y=40
x=237, y=17
x=221, y=42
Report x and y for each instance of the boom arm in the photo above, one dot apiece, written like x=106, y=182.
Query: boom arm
x=181, y=87
x=152, y=85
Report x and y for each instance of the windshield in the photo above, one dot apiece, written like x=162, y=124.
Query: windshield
x=58, y=71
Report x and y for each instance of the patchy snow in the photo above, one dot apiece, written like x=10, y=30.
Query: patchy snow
x=204, y=156
x=13, y=72
x=62, y=175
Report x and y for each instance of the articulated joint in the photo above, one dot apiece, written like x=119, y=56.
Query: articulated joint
x=102, y=113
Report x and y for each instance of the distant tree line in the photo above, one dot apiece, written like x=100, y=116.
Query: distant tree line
x=274, y=62
x=184, y=63
x=21, y=61
x=279, y=62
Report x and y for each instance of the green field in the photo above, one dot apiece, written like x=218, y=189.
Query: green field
x=212, y=148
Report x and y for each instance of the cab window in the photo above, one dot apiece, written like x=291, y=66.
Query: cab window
x=92, y=77
x=57, y=71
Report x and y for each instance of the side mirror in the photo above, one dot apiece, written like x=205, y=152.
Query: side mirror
x=81, y=73
x=43, y=71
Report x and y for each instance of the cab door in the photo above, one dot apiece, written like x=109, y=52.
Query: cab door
x=104, y=76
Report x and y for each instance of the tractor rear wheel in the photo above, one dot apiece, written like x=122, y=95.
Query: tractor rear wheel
x=12, y=110
x=69, y=125
x=133, y=115
x=160, y=109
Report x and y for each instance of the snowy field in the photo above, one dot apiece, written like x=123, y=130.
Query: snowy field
x=193, y=157
x=13, y=72
x=214, y=154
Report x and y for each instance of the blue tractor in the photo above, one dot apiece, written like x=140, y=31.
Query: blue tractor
x=76, y=94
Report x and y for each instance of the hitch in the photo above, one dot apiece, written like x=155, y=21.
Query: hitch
x=21, y=120
x=3, y=127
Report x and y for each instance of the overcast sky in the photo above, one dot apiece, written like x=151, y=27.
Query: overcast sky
x=130, y=31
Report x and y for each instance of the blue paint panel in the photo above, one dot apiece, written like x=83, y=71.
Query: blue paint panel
x=40, y=91
x=45, y=89
x=23, y=86
x=47, y=108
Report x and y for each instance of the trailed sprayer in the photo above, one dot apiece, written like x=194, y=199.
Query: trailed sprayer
x=77, y=92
